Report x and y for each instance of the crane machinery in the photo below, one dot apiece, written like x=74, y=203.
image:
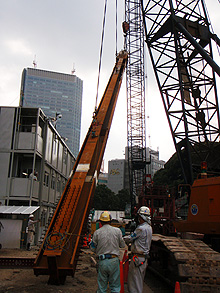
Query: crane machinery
x=179, y=39
x=60, y=249
x=137, y=154
x=135, y=85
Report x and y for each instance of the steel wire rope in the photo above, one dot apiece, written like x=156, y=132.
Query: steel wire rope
x=64, y=241
x=56, y=244
x=59, y=243
x=209, y=20
x=64, y=238
x=116, y=27
x=100, y=54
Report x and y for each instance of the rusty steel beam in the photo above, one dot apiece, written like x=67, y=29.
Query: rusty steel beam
x=59, y=252
x=16, y=262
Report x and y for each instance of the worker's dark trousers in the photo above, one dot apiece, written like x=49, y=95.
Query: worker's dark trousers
x=28, y=246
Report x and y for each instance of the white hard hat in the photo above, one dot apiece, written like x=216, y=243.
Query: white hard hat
x=144, y=213
x=31, y=216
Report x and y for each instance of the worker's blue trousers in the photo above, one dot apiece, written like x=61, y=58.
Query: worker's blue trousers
x=109, y=272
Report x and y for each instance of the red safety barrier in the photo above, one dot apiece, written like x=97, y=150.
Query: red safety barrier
x=122, y=278
x=125, y=261
x=85, y=244
x=124, y=256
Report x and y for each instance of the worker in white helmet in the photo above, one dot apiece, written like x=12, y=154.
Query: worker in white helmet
x=31, y=231
x=140, y=247
x=106, y=243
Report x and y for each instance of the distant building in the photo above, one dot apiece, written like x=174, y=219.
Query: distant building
x=103, y=178
x=56, y=94
x=155, y=163
x=117, y=175
x=35, y=161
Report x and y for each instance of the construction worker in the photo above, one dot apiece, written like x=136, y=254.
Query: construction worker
x=106, y=243
x=33, y=175
x=140, y=246
x=31, y=231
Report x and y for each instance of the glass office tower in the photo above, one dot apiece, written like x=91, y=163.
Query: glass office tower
x=57, y=94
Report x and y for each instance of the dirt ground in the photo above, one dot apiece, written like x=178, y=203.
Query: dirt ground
x=24, y=280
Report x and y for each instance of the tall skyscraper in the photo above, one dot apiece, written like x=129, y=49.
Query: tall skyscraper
x=57, y=94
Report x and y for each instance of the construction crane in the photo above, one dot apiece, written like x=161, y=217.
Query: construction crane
x=60, y=249
x=135, y=85
x=179, y=40
x=178, y=37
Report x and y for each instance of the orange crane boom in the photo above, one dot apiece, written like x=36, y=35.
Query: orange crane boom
x=60, y=249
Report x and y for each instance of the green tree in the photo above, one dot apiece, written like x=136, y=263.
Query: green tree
x=124, y=197
x=171, y=175
x=105, y=199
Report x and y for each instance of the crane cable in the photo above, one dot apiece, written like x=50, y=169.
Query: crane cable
x=212, y=29
x=116, y=26
x=100, y=56
x=102, y=40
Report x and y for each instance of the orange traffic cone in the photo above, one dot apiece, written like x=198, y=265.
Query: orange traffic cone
x=121, y=278
x=89, y=239
x=177, y=288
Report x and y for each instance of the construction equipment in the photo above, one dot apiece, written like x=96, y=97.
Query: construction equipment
x=203, y=213
x=135, y=84
x=187, y=83
x=161, y=201
x=179, y=39
x=60, y=249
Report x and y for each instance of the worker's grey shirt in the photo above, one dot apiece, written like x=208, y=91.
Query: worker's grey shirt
x=107, y=240
x=140, y=239
x=31, y=226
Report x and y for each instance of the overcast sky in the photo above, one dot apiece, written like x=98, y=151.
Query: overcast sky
x=63, y=33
